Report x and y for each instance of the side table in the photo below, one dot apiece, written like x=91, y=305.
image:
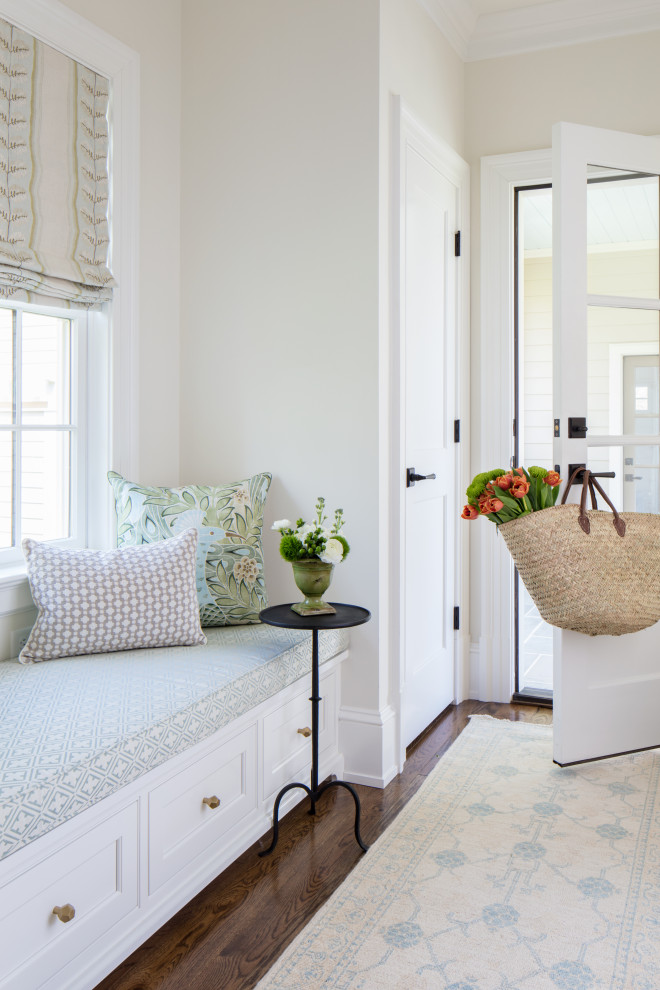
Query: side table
x=344, y=616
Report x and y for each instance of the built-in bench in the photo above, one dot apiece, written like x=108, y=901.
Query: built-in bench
x=129, y=780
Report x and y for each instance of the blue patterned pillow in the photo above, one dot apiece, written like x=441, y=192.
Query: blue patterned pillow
x=228, y=518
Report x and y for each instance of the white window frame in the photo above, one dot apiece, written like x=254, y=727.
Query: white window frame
x=112, y=331
x=80, y=395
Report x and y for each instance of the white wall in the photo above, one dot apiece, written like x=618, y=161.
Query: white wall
x=511, y=104
x=153, y=29
x=279, y=355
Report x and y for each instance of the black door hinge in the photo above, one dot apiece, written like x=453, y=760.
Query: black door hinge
x=457, y=431
x=457, y=244
x=514, y=428
x=457, y=617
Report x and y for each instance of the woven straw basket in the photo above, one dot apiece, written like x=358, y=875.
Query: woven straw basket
x=582, y=573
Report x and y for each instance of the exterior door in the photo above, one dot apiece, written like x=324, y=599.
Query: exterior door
x=427, y=380
x=606, y=300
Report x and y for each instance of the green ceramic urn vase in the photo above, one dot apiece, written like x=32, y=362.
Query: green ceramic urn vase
x=313, y=578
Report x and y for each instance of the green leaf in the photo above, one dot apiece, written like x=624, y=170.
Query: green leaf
x=240, y=525
x=204, y=502
x=507, y=499
x=187, y=497
x=174, y=510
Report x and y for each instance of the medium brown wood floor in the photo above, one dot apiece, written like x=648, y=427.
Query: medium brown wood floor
x=230, y=934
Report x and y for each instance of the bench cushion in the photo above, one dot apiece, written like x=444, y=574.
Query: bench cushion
x=73, y=731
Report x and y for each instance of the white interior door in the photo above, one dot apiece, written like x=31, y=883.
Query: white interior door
x=428, y=371
x=606, y=313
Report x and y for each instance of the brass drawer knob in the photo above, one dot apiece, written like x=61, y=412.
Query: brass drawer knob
x=306, y=732
x=213, y=802
x=65, y=913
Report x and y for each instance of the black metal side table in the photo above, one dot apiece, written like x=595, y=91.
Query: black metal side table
x=344, y=616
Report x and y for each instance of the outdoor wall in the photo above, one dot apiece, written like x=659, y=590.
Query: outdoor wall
x=610, y=332
x=511, y=105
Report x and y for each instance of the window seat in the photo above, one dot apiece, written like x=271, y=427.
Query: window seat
x=105, y=765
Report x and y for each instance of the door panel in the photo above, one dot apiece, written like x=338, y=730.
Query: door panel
x=606, y=689
x=428, y=330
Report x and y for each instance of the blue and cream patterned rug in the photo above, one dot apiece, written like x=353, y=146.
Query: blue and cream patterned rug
x=503, y=871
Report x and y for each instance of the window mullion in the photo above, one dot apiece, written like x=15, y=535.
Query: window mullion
x=18, y=419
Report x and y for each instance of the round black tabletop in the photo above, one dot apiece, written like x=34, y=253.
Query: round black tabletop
x=344, y=616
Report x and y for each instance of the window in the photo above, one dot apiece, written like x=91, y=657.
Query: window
x=43, y=427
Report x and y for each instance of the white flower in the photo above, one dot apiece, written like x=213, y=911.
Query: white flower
x=241, y=496
x=304, y=530
x=281, y=524
x=333, y=553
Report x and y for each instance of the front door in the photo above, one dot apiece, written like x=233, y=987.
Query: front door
x=429, y=277
x=606, y=300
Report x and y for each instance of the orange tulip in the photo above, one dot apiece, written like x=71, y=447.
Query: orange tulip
x=552, y=479
x=519, y=488
x=469, y=512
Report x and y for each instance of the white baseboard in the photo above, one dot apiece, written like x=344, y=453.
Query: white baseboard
x=367, y=738
x=475, y=672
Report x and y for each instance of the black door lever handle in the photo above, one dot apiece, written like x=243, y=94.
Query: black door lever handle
x=411, y=477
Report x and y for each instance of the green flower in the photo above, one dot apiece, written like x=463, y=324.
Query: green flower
x=291, y=548
x=478, y=484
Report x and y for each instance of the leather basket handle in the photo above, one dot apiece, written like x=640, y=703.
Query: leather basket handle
x=592, y=485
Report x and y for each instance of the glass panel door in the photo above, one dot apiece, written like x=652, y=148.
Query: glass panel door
x=606, y=306
x=623, y=378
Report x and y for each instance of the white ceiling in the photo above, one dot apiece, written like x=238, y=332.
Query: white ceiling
x=620, y=214
x=480, y=29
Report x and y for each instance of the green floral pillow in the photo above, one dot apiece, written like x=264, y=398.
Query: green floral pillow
x=228, y=518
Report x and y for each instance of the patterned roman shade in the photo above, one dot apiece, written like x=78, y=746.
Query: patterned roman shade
x=53, y=174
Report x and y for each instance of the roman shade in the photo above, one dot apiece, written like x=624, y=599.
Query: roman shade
x=53, y=174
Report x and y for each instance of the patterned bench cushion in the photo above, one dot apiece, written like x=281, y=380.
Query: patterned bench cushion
x=73, y=731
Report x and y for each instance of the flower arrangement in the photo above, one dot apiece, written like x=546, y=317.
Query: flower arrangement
x=502, y=496
x=315, y=540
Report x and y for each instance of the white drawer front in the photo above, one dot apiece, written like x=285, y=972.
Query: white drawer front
x=181, y=825
x=286, y=750
x=96, y=874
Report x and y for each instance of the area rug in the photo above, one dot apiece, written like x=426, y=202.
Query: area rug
x=503, y=871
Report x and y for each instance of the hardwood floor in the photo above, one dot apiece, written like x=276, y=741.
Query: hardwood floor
x=230, y=934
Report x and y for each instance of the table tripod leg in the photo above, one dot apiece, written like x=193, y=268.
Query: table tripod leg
x=276, y=814
x=358, y=810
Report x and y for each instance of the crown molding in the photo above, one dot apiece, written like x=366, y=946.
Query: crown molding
x=546, y=25
x=456, y=19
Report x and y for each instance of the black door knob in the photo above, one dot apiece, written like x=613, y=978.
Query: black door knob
x=411, y=477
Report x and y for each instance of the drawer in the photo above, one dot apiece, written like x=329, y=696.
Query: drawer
x=286, y=751
x=97, y=874
x=181, y=825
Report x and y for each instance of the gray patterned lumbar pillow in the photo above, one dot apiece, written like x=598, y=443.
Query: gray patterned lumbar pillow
x=228, y=518
x=99, y=601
